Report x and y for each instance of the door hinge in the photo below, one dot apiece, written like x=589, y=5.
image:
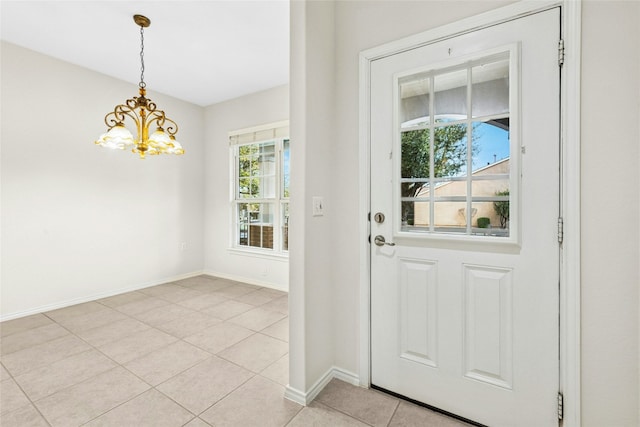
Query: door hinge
x=560, y=53
x=369, y=217
x=560, y=406
x=560, y=230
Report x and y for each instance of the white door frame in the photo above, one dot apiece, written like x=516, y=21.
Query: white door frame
x=569, y=185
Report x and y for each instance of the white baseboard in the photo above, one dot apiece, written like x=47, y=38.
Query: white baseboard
x=295, y=396
x=93, y=297
x=249, y=280
x=304, y=399
x=346, y=376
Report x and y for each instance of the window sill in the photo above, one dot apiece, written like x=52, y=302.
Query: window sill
x=257, y=253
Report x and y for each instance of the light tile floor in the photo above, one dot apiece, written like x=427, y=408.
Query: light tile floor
x=198, y=352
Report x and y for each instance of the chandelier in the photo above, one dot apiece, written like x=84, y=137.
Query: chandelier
x=144, y=114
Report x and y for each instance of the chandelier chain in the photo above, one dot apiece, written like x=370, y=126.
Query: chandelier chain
x=142, y=83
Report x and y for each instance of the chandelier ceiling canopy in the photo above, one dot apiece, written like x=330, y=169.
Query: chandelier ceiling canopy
x=144, y=114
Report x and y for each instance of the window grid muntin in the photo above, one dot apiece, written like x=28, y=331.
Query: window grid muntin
x=502, y=56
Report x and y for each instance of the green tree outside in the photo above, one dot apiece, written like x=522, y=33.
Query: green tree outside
x=502, y=208
x=449, y=158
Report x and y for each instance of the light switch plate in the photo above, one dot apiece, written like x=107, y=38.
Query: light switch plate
x=318, y=206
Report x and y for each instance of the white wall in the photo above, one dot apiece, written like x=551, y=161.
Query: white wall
x=359, y=26
x=610, y=139
x=312, y=239
x=260, y=108
x=610, y=250
x=80, y=221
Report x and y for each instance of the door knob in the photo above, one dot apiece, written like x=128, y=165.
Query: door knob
x=380, y=241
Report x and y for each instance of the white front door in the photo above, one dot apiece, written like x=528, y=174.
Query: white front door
x=465, y=172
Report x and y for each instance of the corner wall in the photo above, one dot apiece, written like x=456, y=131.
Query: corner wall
x=312, y=240
x=260, y=108
x=79, y=221
x=610, y=225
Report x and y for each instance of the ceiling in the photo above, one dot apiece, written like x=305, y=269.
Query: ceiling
x=202, y=52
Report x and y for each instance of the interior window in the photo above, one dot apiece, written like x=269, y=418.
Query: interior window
x=261, y=190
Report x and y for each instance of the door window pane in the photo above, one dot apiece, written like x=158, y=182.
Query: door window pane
x=491, y=145
x=492, y=217
x=450, y=151
x=451, y=95
x=415, y=153
x=448, y=188
x=459, y=182
x=415, y=93
x=451, y=217
x=414, y=188
x=490, y=91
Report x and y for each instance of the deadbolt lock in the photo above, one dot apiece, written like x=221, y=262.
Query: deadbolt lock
x=379, y=217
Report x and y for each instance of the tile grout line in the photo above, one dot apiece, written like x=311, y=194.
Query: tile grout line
x=394, y=412
x=226, y=395
x=95, y=348
x=31, y=402
x=92, y=347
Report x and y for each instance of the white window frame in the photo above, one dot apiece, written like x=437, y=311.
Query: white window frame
x=512, y=53
x=277, y=133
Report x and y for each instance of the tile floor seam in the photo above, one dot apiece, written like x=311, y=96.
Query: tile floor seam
x=128, y=336
x=200, y=310
x=70, y=385
x=31, y=402
x=244, y=367
x=176, y=402
x=173, y=376
x=83, y=381
x=237, y=388
x=331, y=407
x=6, y=370
x=348, y=415
x=394, y=413
x=164, y=323
x=109, y=342
x=155, y=387
x=228, y=393
x=117, y=406
x=240, y=366
x=269, y=336
x=51, y=363
x=93, y=347
x=39, y=343
x=28, y=329
x=294, y=417
x=221, y=350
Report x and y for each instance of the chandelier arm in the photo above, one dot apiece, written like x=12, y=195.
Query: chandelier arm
x=172, y=128
x=133, y=103
x=158, y=117
x=117, y=117
x=112, y=119
x=120, y=113
x=152, y=107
